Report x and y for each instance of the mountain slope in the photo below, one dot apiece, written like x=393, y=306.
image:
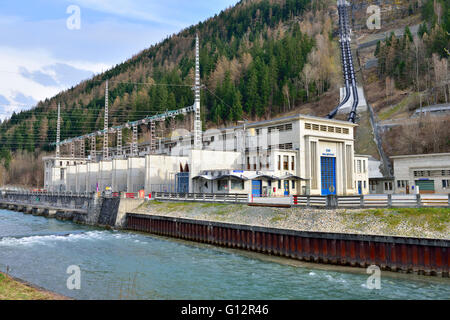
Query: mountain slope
x=252, y=58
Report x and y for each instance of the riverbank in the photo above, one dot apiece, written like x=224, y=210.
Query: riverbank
x=405, y=222
x=15, y=289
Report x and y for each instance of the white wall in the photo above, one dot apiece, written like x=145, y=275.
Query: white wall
x=105, y=175
x=362, y=174
x=135, y=174
x=119, y=175
x=404, y=170
x=200, y=160
x=160, y=171
x=71, y=181
x=92, y=176
x=81, y=177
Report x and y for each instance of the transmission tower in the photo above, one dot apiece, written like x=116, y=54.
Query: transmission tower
x=58, y=131
x=197, y=114
x=105, y=135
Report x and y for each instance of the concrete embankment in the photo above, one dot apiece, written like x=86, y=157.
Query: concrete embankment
x=83, y=209
x=324, y=236
x=431, y=223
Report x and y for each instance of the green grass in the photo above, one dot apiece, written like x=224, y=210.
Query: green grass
x=385, y=115
x=11, y=289
x=433, y=219
x=220, y=209
x=280, y=216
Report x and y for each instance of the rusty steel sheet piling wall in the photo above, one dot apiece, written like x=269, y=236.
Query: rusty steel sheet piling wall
x=400, y=254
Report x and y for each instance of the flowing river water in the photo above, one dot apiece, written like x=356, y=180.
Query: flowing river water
x=125, y=265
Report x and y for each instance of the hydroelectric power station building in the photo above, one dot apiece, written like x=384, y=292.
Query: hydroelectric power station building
x=292, y=155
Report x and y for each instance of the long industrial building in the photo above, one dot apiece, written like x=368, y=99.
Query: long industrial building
x=291, y=155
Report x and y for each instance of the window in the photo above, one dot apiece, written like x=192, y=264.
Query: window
x=269, y=183
x=254, y=163
x=388, y=186
x=358, y=166
x=279, y=162
x=279, y=184
x=285, y=162
x=308, y=126
x=222, y=185
x=285, y=127
x=446, y=183
x=292, y=163
x=248, y=163
x=364, y=166
x=365, y=184
x=293, y=184
x=62, y=174
x=237, y=184
x=268, y=162
x=402, y=183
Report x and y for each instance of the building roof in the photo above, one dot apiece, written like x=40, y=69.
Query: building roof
x=294, y=117
x=421, y=155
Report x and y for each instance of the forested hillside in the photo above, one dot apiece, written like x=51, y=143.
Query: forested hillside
x=415, y=68
x=258, y=59
x=252, y=58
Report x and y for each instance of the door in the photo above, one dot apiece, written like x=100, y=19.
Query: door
x=286, y=187
x=425, y=186
x=359, y=187
x=328, y=175
x=256, y=188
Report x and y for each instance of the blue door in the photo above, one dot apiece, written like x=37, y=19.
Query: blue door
x=286, y=188
x=328, y=174
x=256, y=188
x=359, y=187
x=182, y=182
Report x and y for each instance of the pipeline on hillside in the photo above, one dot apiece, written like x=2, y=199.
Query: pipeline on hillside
x=347, y=63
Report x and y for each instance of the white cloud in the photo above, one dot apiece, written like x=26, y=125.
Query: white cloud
x=150, y=11
x=39, y=56
x=21, y=88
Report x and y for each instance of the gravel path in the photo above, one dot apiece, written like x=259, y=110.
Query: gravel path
x=306, y=219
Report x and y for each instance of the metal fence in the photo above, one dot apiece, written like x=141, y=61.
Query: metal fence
x=204, y=197
x=374, y=201
x=4, y=193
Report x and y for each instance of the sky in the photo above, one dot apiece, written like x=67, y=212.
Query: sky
x=47, y=46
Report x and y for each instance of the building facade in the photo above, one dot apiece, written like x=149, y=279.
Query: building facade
x=291, y=155
x=429, y=172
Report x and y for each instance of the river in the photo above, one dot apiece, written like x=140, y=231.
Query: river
x=125, y=265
